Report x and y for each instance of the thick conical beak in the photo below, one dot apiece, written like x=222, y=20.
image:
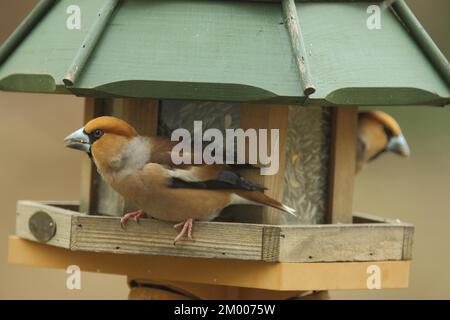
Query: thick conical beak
x=78, y=140
x=398, y=144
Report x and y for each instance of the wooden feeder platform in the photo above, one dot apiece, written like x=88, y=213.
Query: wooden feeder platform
x=272, y=257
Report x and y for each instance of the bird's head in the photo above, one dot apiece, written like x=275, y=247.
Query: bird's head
x=379, y=132
x=101, y=138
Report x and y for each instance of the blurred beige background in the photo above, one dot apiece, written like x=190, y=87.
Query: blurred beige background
x=34, y=165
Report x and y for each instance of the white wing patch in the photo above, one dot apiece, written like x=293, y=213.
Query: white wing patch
x=235, y=199
x=185, y=175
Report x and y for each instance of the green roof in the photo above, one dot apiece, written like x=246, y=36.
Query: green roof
x=314, y=53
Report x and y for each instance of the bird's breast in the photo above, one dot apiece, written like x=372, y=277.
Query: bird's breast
x=149, y=190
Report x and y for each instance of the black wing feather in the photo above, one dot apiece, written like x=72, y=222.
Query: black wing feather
x=225, y=180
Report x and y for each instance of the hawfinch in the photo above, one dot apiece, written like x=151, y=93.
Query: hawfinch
x=140, y=169
x=378, y=132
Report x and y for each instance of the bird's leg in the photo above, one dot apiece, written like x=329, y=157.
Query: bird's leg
x=186, y=229
x=134, y=214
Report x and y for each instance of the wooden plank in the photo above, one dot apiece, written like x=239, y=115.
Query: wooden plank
x=62, y=218
x=198, y=76
x=88, y=45
x=271, y=244
x=342, y=164
x=152, y=237
x=408, y=237
x=330, y=243
x=218, y=240
x=247, y=274
x=24, y=28
x=267, y=117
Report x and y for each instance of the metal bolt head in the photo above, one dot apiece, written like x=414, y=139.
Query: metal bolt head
x=42, y=226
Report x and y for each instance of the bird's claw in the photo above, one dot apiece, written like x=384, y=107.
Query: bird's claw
x=135, y=215
x=186, y=230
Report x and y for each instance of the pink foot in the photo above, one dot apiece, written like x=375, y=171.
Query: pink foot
x=134, y=214
x=186, y=230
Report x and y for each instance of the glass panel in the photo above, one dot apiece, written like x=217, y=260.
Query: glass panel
x=182, y=114
x=307, y=158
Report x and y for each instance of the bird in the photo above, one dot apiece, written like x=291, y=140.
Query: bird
x=378, y=133
x=140, y=169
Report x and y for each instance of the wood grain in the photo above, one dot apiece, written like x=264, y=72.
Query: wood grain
x=153, y=237
x=331, y=243
x=342, y=164
x=267, y=117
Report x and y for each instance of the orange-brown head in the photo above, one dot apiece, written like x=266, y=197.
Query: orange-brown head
x=102, y=138
x=378, y=132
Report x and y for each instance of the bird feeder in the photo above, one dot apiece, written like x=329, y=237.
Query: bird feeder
x=301, y=67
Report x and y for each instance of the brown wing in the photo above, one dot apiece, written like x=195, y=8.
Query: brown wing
x=198, y=176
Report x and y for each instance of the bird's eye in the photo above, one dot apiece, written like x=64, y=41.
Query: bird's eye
x=97, y=133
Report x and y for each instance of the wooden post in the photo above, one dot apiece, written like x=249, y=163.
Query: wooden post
x=342, y=164
x=267, y=117
x=97, y=196
x=89, y=176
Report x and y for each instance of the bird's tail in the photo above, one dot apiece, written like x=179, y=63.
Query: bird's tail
x=259, y=197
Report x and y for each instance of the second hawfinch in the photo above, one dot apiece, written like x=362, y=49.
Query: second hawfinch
x=140, y=169
x=378, y=132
